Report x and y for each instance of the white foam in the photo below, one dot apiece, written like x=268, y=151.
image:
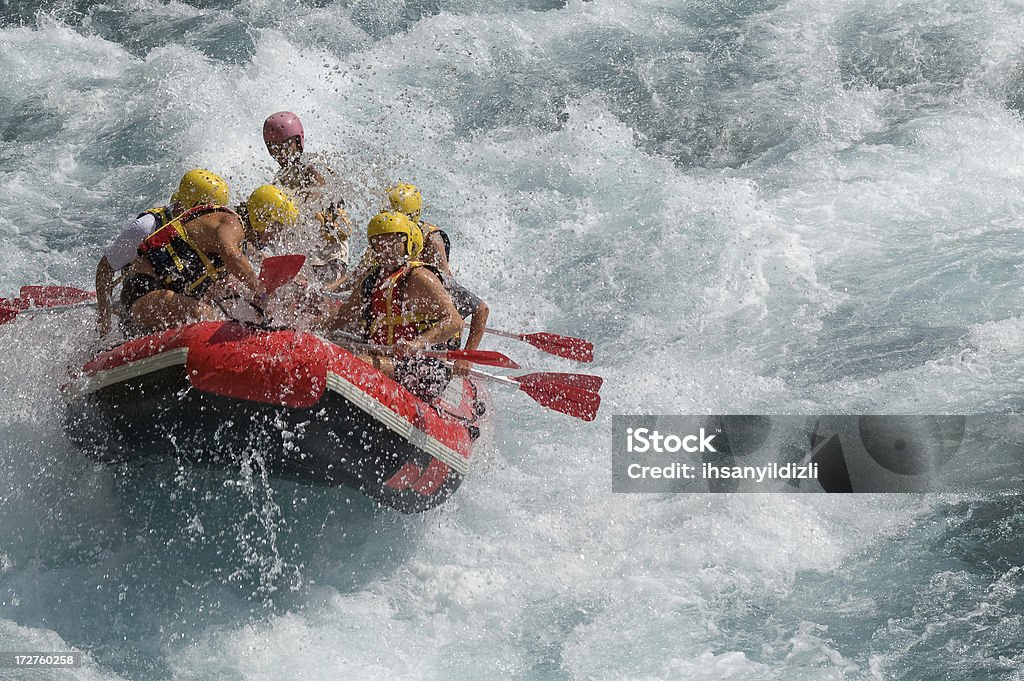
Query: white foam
x=737, y=223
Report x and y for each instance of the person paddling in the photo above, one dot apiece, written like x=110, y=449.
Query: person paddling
x=402, y=304
x=407, y=199
x=179, y=264
x=197, y=187
x=328, y=227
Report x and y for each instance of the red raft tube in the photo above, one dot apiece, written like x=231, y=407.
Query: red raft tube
x=209, y=392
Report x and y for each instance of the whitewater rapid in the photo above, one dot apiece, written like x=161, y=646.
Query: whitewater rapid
x=750, y=206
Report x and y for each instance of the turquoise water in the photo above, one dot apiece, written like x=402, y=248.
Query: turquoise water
x=776, y=207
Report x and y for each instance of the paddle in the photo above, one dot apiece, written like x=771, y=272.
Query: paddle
x=55, y=296
x=561, y=397
x=44, y=299
x=584, y=381
x=488, y=357
x=7, y=313
x=278, y=270
x=554, y=344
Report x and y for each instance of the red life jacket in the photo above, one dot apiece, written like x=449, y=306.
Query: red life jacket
x=389, y=320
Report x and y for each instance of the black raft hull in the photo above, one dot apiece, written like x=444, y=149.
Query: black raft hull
x=141, y=402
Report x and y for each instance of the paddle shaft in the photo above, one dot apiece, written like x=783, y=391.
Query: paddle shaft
x=505, y=334
x=494, y=378
x=57, y=308
x=488, y=357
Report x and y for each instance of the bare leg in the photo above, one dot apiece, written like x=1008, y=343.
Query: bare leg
x=164, y=309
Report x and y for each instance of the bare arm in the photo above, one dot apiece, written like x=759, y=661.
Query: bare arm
x=426, y=295
x=440, y=256
x=476, y=326
x=104, y=295
x=366, y=263
x=336, y=285
x=229, y=237
x=476, y=334
x=347, y=317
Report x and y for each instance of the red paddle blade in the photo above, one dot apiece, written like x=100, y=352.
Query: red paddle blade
x=582, y=381
x=562, y=346
x=488, y=357
x=7, y=313
x=567, y=399
x=278, y=270
x=54, y=296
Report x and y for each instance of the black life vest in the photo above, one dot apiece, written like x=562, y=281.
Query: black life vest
x=179, y=264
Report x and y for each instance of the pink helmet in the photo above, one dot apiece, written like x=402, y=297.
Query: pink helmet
x=282, y=126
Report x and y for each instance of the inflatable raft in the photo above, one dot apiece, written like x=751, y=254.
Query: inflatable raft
x=218, y=393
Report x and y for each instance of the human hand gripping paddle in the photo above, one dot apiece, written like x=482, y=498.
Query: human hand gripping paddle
x=553, y=344
x=277, y=271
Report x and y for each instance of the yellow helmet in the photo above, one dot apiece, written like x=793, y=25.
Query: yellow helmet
x=268, y=205
x=394, y=222
x=405, y=198
x=200, y=187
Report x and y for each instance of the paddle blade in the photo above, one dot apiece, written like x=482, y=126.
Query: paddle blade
x=488, y=357
x=278, y=270
x=7, y=314
x=54, y=296
x=582, y=381
x=561, y=346
x=567, y=399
